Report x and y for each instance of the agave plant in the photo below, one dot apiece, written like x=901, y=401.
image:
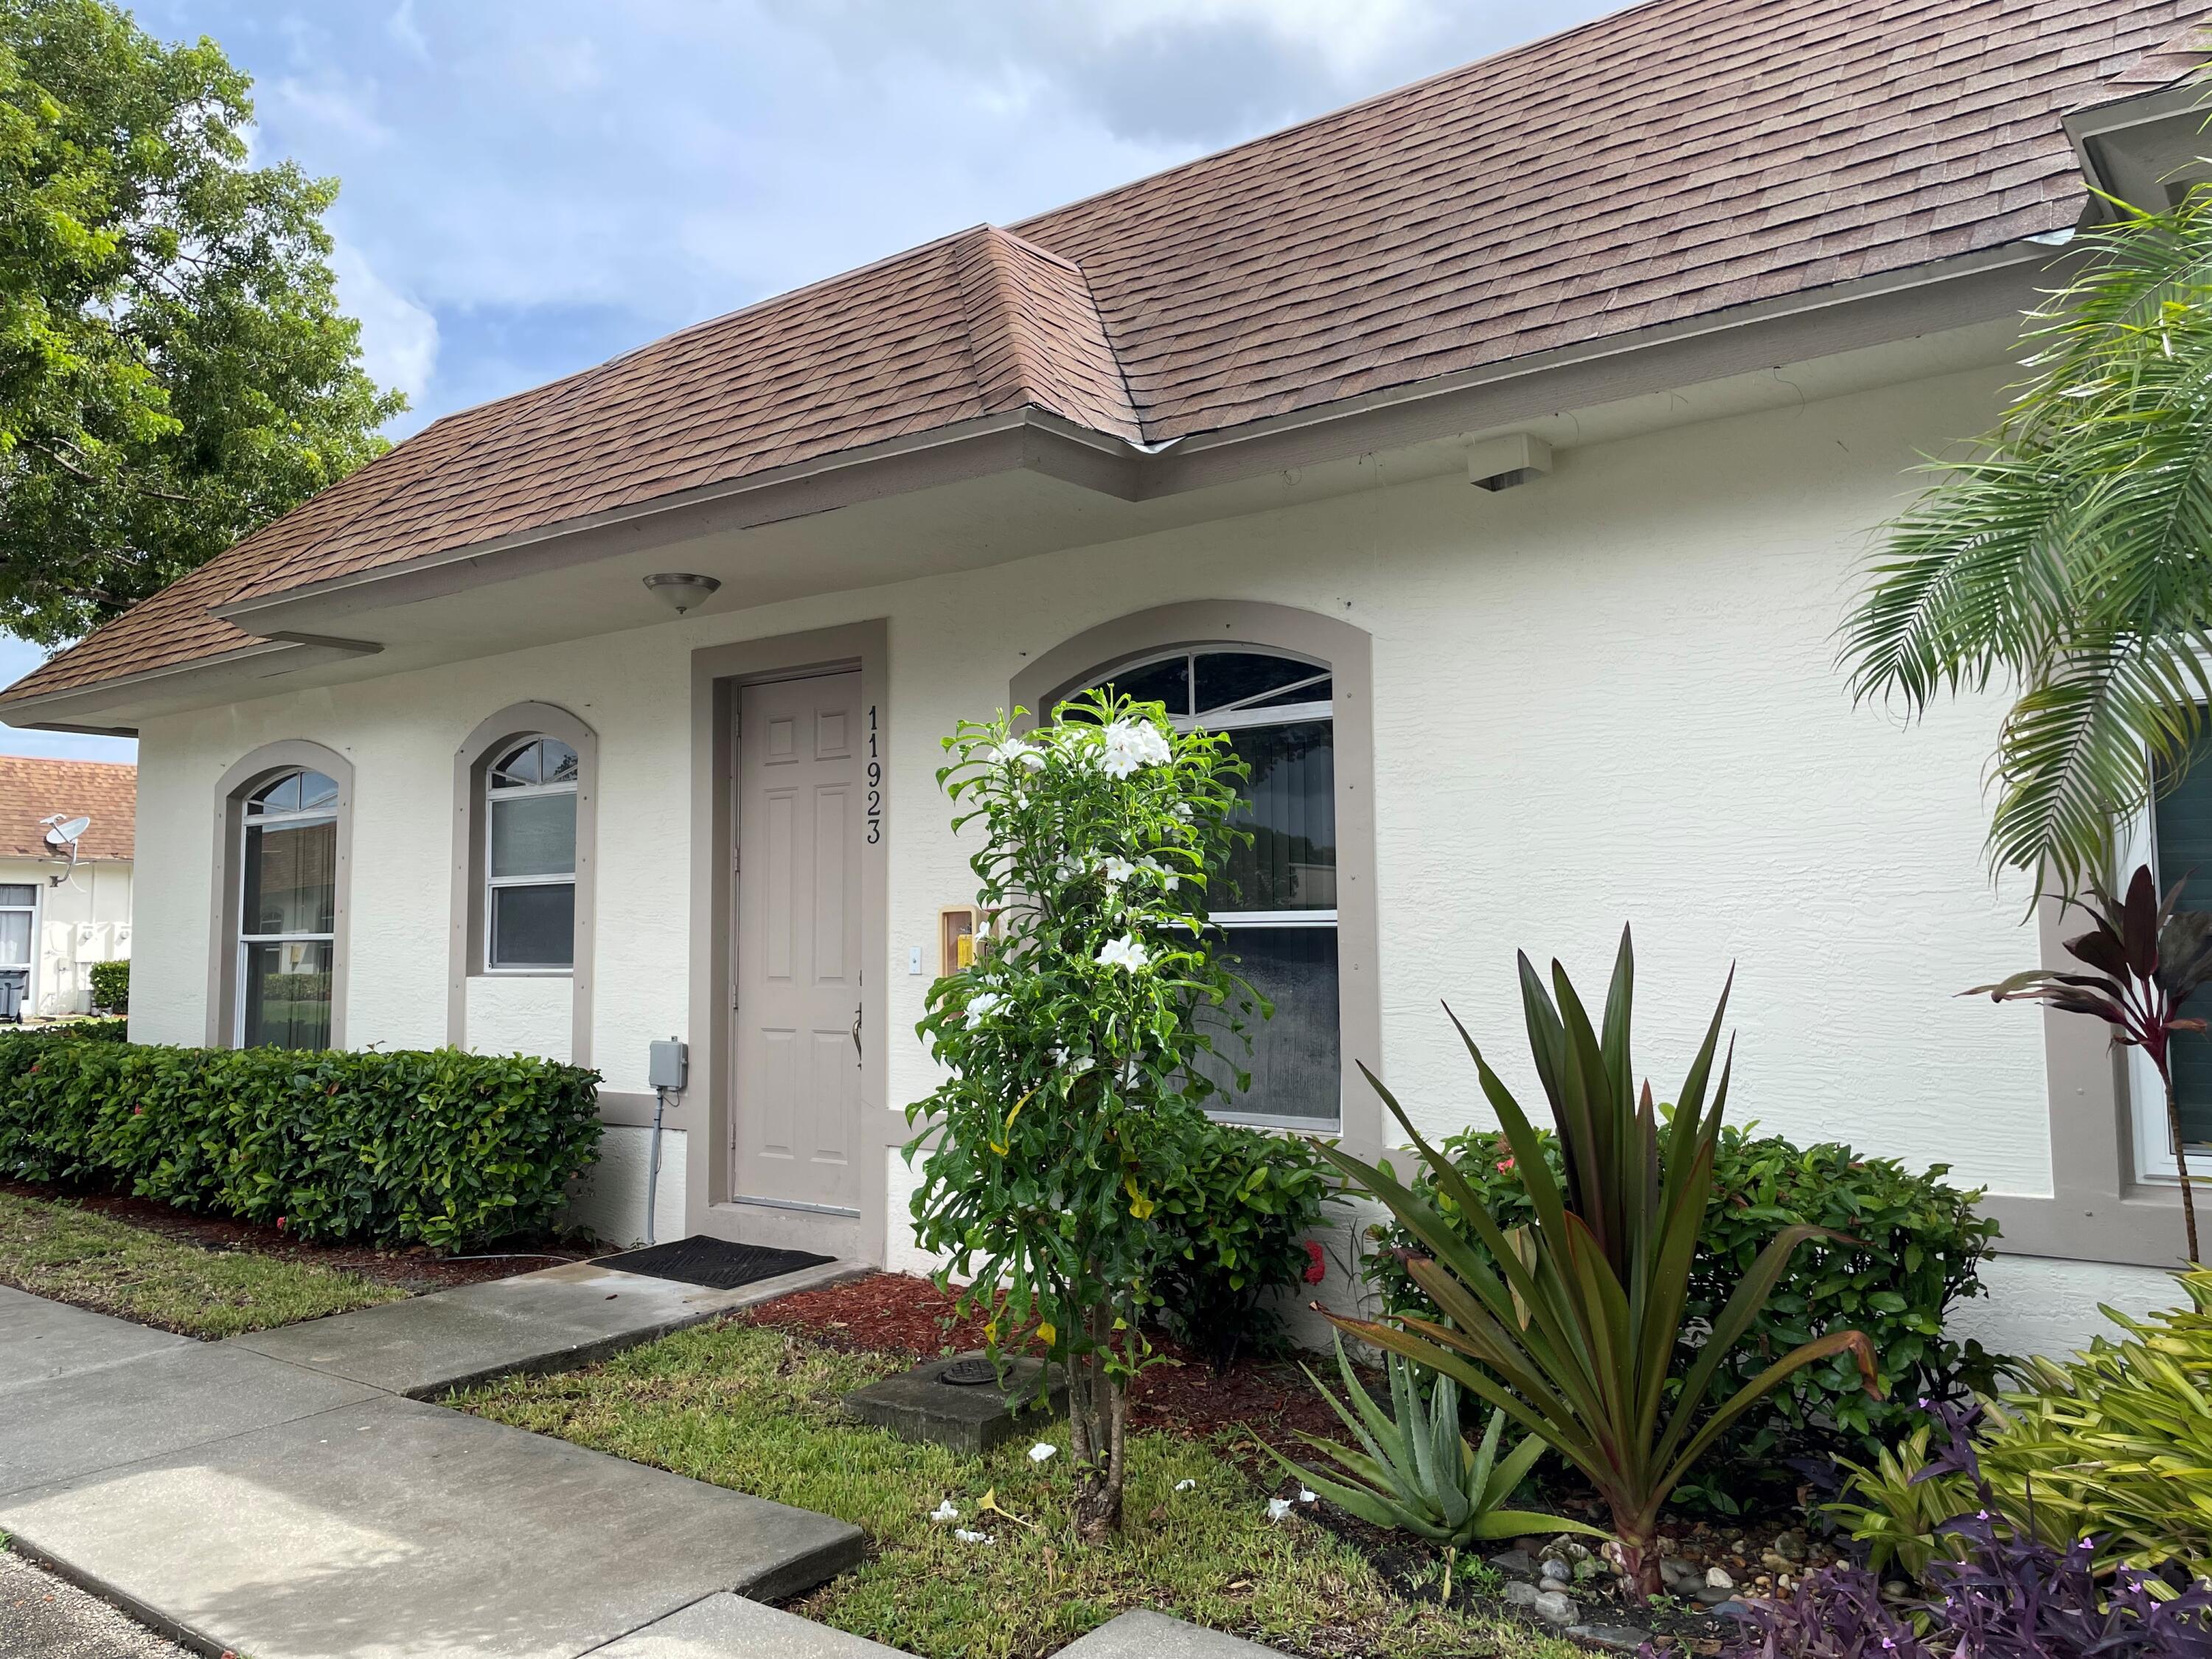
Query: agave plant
x=2149, y=957
x=1570, y=1329
x=1415, y=1470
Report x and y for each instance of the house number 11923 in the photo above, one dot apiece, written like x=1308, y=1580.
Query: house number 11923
x=875, y=783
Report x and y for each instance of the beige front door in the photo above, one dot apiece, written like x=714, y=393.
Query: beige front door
x=802, y=749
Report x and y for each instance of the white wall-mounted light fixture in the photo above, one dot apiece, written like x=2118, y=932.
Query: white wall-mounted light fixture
x=1496, y=464
x=680, y=590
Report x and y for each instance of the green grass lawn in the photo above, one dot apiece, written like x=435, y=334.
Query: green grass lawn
x=74, y=1254
x=756, y=1410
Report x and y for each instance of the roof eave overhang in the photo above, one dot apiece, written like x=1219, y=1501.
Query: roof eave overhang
x=2086, y=126
x=80, y=708
x=1929, y=298
x=1021, y=440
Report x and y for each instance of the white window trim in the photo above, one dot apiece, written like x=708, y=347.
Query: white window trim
x=1241, y=716
x=249, y=819
x=493, y=793
x=29, y=1006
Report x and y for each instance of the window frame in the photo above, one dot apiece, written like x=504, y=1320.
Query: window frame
x=227, y=940
x=30, y=966
x=494, y=795
x=1242, y=715
x=489, y=741
x=2152, y=1159
x=1347, y=654
x=295, y=818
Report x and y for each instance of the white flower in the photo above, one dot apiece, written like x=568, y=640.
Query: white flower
x=1016, y=751
x=967, y=1537
x=1119, y=870
x=948, y=1510
x=1278, y=1508
x=984, y=1004
x=1043, y=1450
x=1128, y=744
x=1125, y=953
x=1185, y=1485
x=1305, y=1496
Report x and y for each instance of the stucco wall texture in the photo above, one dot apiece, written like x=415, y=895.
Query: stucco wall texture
x=1610, y=696
x=83, y=919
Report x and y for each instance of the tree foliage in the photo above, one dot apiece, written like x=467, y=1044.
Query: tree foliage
x=2066, y=558
x=175, y=370
x=1072, y=1100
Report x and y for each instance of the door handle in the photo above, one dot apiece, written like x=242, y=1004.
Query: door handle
x=858, y=1057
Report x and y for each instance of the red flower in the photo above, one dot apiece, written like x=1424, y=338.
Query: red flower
x=279, y=1224
x=1504, y=1164
x=1317, y=1270
x=138, y=1111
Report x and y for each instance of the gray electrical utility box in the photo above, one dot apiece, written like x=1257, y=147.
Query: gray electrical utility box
x=668, y=1064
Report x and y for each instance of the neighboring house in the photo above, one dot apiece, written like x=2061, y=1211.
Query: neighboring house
x=60, y=912
x=1495, y=458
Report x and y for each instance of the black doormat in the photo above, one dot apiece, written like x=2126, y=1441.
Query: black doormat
x=714, y=1262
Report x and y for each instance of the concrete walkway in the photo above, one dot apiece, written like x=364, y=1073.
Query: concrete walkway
x=291, y=1495
x=295, y=1504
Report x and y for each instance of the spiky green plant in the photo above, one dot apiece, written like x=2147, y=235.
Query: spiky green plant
x=1896, y=1505
x=1573, y=1333
x=2064, y=559
x=1415, y=1470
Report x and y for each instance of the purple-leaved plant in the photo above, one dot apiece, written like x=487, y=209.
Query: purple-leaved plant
x=2013, y=1597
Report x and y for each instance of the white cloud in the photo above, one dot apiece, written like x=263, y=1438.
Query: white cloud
x=346, y=110
x=398, y=338
x=532, y=186
x=406, y=31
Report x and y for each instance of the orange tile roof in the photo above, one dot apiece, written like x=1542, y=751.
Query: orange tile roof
x=31, y=789
x=1673, y=159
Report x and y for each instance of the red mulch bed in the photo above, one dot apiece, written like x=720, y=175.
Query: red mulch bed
x=417, y=1270
x=893, y=1313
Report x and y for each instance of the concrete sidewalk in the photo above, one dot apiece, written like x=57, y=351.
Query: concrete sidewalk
x=295, y=1505
x=289, y=1495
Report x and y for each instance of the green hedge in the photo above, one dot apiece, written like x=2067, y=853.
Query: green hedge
x=96, y=1030
x=440, y=1148
x=1922, y=1248
x=110, y=987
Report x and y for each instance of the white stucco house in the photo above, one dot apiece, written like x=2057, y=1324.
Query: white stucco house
x=65, y=860
x=1496, y=458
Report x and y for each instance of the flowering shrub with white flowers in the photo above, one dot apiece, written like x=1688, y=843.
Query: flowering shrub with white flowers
x=1073, y=1097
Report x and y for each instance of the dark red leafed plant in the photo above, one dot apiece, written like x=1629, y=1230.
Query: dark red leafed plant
x=2148, y=958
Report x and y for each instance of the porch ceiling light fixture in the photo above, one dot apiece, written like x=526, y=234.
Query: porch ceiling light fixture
x=680, y=590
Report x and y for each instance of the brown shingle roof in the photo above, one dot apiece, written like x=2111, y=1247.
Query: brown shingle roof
x=107, y=792
x=1676, y=159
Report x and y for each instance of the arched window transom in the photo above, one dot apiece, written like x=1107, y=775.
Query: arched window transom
x=530, y=857
x=1277, y=912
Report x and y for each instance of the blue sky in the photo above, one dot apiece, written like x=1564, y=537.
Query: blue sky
x=529, y=186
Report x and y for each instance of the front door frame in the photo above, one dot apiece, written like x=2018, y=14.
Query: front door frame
x=717, y=672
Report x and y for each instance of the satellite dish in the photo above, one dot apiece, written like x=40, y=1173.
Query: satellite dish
x=62, y=837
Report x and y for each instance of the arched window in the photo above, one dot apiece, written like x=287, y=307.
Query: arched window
x=530, y=857
x=285, y=926
x=1278, y=912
